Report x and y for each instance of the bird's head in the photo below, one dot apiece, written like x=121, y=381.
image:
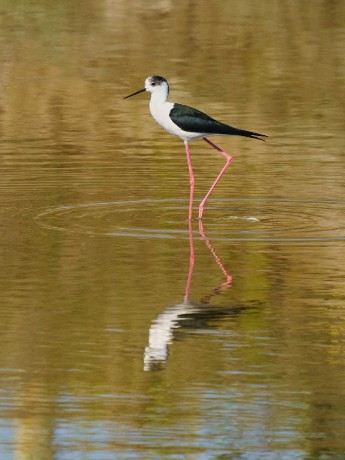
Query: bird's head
x=153, y=84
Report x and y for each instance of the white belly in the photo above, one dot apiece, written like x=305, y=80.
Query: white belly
x=160, y=113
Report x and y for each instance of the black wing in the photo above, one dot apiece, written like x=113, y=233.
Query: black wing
x=194, y=121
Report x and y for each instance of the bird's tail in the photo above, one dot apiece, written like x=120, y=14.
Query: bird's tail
x=242, y=132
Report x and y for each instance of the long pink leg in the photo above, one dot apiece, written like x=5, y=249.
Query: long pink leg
x=227, y=164
x=191, y=181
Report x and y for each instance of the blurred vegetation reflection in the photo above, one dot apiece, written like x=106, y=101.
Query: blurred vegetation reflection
x=262, y=374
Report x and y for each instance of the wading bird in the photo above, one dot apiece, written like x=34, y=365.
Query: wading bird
x=189, y=124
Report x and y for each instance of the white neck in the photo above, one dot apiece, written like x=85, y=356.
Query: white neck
x=159, y=97
x=160, y=109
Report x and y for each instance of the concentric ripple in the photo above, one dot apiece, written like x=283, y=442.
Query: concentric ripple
x=229, y=219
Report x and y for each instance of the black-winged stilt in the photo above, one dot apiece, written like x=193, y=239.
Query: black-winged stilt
x=189, y=124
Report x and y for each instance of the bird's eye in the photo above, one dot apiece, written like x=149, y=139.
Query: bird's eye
x=153, y=84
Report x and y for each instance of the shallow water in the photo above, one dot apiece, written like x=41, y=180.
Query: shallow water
x=126, y=332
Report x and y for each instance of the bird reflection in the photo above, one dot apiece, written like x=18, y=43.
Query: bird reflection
x=187, y=313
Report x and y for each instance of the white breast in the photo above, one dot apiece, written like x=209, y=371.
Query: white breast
x=160, y=112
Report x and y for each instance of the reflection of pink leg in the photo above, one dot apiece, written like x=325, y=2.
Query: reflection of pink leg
x=191, y=180
x=227, y=275
x=191, y=261
x=227, y=164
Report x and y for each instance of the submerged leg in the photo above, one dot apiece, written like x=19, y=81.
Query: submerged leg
x=191, y=262
x=227, y=164
x=191, y=181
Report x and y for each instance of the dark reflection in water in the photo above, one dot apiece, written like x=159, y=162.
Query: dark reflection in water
x=187, y=314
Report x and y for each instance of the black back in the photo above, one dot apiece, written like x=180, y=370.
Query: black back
x=194, y=121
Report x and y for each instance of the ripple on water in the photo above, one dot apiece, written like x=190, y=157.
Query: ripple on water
x=261, y=219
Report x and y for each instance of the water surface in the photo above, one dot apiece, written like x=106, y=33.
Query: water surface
x=126, y=332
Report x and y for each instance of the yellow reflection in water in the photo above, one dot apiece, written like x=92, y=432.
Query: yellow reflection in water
x=77, y=308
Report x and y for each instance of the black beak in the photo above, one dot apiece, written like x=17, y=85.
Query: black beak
x=137, y=92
